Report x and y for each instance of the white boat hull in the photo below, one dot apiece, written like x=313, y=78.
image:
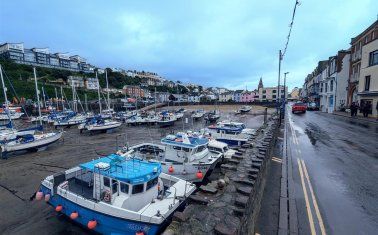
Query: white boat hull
x=47, y=139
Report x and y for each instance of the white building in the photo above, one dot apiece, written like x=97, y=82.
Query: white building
x=91, y=83
x=342, y=80
x=75, y=81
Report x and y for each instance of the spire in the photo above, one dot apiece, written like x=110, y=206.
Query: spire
x=260, y=83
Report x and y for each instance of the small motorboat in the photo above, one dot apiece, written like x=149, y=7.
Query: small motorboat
x=166, y=119
x=212, y=116
x=116, y=195
x=29, y=142
x=99, y=124
x=183, y=155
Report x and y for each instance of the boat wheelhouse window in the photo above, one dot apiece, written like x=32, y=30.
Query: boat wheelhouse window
x=152, y=183
x=124, y=188
x=201, y=148
x=176, y=148
x=138, y=188
x=186, y=150
x=114, y=186
x=106, y=182
x=225, y=149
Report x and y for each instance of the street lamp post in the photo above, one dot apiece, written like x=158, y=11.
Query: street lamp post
x=284, y=103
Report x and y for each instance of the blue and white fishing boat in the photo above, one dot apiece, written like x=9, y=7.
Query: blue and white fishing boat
x=183, y=155
x=212, y=116
x=231, y=133
x=99, y=124
x=116, y=195
x=198, y=114
x=70, y=121
x=166, y=119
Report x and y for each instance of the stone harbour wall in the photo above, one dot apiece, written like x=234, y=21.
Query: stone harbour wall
x=231, y=204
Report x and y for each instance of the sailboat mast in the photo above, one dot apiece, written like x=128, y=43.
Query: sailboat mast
x=98, y=92
x=5, y=96
x=37, y=93
x=155, y=100
x=43, y=97
x=73, y=96
x=61, y=93
x=86, y=102
x=56, y=99
x=107, y=87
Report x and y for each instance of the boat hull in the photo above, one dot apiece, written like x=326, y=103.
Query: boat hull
x=106, y=224
x=232, y=142
x=166, y=124
x=34, y=145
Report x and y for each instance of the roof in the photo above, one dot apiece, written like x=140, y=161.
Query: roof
x=183, y=140
x=133, y=171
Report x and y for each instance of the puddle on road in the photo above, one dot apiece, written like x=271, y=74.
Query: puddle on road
x=315, y=133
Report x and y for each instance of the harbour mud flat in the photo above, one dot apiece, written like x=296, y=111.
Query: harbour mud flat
x=20, y=175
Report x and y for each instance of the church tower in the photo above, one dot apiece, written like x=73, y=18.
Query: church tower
x=260, y=84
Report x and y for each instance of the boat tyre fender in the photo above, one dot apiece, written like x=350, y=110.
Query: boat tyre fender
x=107, y=196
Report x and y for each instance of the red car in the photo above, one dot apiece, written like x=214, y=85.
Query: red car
x=299, y=108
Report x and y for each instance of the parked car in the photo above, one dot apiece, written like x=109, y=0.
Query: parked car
x=299, y=108
x=312, y=106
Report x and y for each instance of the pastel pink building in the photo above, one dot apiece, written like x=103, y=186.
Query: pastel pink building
x=247, y=97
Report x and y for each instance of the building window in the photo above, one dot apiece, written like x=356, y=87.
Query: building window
x=326, y=87
x=273, y=96
x=367, y=83
x=264, y=96
x=373, y=60
x=331, y=86
x=264, y=91
x=274, y=91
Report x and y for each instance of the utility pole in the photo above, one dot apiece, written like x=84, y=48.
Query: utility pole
x=284, y=103
x=278, y=86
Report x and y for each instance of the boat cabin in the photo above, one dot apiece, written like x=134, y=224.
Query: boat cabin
x=128, y=184
x=184, y=148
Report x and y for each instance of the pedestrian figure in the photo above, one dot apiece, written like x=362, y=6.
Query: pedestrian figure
x=366, y=109
x=353, y=109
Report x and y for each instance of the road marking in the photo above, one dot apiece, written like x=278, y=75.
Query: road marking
x=318, y=215
x=277, y=159
x=310, y=219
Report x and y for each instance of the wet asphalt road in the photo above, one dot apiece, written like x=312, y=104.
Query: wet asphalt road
x=20, y=176
x=335, y=173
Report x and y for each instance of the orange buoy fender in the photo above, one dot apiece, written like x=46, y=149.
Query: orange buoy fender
x=47, y=197
x=92, y=224
x=58, y=208
x=39, y=195
x=139, y=232
x=199, y=175
x=170, y=169
x=74, y=215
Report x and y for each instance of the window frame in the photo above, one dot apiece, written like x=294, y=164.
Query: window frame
x=367, y=83
x=372, y=55
x=135, y=186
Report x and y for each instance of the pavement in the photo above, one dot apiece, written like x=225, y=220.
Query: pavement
x=331, y=175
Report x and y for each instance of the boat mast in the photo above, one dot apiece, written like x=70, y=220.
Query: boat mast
x=73, y=96
x=61, y=93
x=56, y=99
x=37, y=93
x=155, y=100
x=5, y=96
x=86, y=102
x=107, y=88
x=44, y=97
x=98, y=92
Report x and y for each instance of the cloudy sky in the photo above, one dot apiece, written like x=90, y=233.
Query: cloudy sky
x=228, y=43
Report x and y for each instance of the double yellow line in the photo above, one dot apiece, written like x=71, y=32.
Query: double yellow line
x=304, y=174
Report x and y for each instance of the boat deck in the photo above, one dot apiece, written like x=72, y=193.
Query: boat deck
x=81, y=188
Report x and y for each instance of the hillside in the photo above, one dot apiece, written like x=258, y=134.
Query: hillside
x=21, y=78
